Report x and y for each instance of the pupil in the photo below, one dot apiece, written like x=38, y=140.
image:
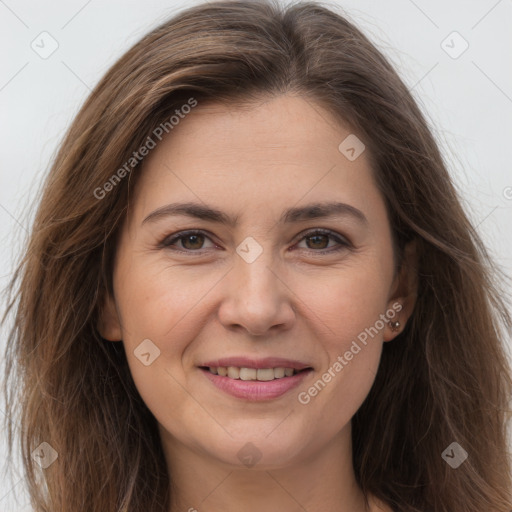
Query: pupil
x=317, y=237
x=189, y=237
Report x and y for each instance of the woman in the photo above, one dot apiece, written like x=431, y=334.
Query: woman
x=250, y=285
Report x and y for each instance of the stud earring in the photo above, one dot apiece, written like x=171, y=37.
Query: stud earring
x=395, y=326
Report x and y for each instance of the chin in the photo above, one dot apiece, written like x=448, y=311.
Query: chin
x=258, y=449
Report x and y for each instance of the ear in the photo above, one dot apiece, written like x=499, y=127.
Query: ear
x=109, y=325
x=403, y=292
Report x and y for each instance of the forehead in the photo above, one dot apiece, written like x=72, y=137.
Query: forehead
x=256, y=159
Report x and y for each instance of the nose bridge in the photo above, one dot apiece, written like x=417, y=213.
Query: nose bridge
x=252, y=267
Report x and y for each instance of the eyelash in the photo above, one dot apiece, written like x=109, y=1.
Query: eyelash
x=167, y=242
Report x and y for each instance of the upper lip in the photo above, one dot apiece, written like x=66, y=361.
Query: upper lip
x=249, y=362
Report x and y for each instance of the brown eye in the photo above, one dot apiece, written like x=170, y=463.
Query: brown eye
x=318, y=241
x=191, y=241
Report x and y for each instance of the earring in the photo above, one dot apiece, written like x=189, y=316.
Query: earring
x=395, y=326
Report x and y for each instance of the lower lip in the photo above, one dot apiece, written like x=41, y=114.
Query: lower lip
x=256, y=390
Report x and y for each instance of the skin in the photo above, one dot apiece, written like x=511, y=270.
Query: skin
x=295, y=300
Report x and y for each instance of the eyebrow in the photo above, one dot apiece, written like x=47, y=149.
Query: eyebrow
x=291, y=215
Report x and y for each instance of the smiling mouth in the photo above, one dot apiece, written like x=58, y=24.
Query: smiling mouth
x=253, y=374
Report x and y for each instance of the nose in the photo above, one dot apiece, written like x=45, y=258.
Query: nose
x=256, y=297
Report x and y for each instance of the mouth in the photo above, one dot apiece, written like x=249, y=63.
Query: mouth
x=255, y=384
x=254, y=374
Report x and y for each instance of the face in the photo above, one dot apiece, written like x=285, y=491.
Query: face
x=264, y=280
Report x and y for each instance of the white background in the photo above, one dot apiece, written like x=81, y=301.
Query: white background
x=468, y=101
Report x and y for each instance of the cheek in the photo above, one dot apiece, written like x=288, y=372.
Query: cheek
x=158, y=302
x=346, y=300
x=347, y=310
x=343, y=382
x=162, y=305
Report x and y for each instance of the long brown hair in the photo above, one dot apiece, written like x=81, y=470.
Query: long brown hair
x=444, y=379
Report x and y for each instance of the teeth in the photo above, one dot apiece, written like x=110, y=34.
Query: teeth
x=279, y=373
x=265, y=374
x=233, y=372
x=248, y=373
x=261, y=374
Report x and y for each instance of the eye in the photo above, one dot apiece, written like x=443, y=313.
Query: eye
x=191, y=241
x=318, y=241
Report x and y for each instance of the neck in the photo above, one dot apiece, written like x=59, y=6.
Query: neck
x=320, y=480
